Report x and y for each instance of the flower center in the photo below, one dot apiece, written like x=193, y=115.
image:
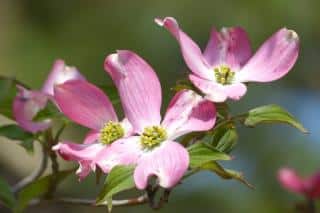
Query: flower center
x=111, y=132
x=224, y=75
x=152, y=136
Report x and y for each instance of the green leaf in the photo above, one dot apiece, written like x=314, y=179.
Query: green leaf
x=272, y=114
x=98, y=173
x=220, y=130
x=8, y=92
x=6, y=195
x=191, y=137
x=37, y=189
x=14, y=132
x=225, y=173
x=201, y=153
x=228, y=140
x=49, y=112
x=28, y=145
x=119, y=179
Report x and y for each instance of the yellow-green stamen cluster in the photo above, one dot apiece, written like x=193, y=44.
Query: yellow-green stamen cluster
x=224, y=75
x=153, y=136
x=111, y=132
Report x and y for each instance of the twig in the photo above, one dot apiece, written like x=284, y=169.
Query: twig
x=163, y=199
x=58, y=134
x=54, y=163
x=90, y=202
x=239, y=117
x=311, y=206
x=152, y=190
x=35, y=174
x=15, y=81
x=126, y=202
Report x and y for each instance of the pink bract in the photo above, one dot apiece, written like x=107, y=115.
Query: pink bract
x=227, y=62
x=29, y=102
x=59, y=74
x=140, y=94
x=309, y=187
x=26, y=105
x=88, y=106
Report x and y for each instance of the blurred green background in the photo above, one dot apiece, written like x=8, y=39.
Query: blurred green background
x=33, y=33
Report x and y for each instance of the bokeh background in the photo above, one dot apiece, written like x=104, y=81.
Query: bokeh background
x=33, y=33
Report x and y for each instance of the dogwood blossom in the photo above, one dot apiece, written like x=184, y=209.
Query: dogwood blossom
x=227, y=63
x=153, y=146
x=28, y=103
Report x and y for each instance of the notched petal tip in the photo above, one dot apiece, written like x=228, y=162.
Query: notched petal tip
x=57, y=87
x=226, y=31
x=230, y=46
x=124, y=56
x=114, y=63
x=58, y=62
x=191, y=52
x=56, y=147
x=170, y=24
x=292, y=35
x=59, y=74
x=166, y=21
x=159, y=21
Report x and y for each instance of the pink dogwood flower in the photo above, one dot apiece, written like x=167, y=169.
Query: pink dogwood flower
x=88, y=106
x=29, y=102
x=309, y=187
x=153, y=148
x=227, y=62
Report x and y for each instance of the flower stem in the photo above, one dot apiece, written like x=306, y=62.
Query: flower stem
x=239, y=117
x=51, y=141
x=126, y=202
x=163, y=199
x=15, y=81
x=35, y=174
x=311, y=208
x=91, y=202
x=152, y=191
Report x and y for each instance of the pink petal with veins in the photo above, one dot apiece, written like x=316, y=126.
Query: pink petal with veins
x=124, y=151
x=274, y=58
x=230, y=47
x=168, y=163
x=84, y=103
x=188, y=112
x=139, y=88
